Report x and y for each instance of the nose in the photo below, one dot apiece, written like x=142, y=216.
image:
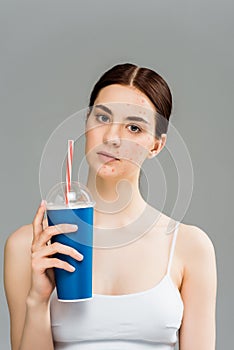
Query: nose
x=112, y=135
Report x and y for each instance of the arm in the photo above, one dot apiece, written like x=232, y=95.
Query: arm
x=17, y=279
x=198, y=291
x=29, y=281
x=29, y=320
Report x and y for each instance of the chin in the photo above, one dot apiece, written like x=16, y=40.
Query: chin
x=106, y=171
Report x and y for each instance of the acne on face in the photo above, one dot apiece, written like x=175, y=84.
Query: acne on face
x=131, y=157
x=127, y=101
x=129, y=95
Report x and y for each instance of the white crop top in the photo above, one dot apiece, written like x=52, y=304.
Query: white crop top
x=137, y=321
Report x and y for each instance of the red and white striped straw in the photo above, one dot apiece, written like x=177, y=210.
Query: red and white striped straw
x=69, y=169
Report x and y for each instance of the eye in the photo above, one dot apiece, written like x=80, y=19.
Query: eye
x=102, y=118
x=134, y=128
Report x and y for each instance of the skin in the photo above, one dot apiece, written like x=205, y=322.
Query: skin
x=28, y=259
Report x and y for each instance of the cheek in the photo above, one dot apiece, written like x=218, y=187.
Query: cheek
x=135, y=154
x=92, y=140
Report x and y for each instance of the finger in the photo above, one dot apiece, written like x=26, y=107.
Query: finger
x=51, y=231
x=56, y=247
x=64, y=249
x=60, y=264
x=38, y=220
x=45, y=223
x=48, y=263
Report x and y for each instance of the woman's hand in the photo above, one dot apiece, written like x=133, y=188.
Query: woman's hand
x=42, y=260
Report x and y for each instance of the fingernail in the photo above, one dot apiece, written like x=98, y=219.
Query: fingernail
x=75, y=227
x=72, y=268
x=42, y=202
x=78, y=254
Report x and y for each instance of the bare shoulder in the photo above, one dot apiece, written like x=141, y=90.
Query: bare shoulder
x=190, y=237
x=197, y=254
x=21, y=239
x=193, y=239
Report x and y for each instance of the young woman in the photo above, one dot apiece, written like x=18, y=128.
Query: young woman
x=150, y=288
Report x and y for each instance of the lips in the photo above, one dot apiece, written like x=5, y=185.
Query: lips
x=106, y=157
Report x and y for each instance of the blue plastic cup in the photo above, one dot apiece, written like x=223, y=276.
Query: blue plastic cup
x=77, y=285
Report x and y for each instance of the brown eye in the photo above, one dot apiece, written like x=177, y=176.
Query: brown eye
x=134, y=128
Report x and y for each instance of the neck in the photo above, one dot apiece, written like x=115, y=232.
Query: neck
x=118, y=201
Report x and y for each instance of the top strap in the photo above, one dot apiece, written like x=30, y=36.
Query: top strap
x=172, y=247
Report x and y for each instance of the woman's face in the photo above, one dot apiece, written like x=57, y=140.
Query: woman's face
x=120, y=132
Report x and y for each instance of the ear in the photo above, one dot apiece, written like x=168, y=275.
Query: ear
x=158, y=146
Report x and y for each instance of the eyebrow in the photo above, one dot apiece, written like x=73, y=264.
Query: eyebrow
x=137, y=119
x=106, y=109
x=132, y=118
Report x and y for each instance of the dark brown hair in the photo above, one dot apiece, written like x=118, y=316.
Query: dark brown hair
x=147, y=81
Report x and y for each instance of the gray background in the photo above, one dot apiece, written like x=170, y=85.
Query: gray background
x=52, y=52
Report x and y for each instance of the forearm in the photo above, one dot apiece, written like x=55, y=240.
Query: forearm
x=37, y=327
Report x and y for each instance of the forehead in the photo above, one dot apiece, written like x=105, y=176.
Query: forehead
x=124, y=95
